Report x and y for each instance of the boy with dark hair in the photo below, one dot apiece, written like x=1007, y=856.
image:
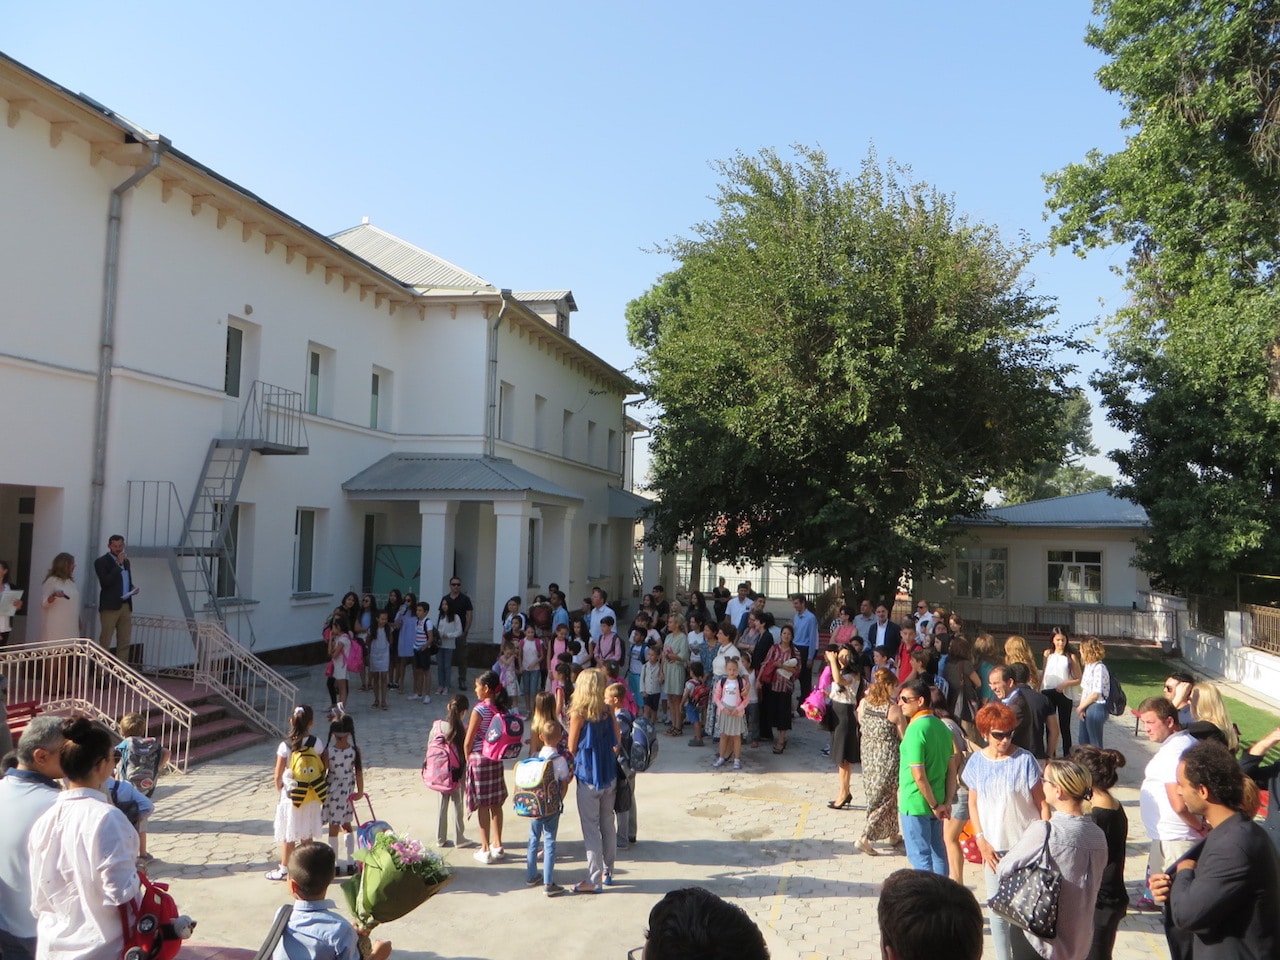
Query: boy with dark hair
x=694, y=922
x=315, y=930
x=920, y=912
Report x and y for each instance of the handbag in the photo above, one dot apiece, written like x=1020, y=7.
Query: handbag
x=1027, y=896
x=969, y=844
x=770, y=667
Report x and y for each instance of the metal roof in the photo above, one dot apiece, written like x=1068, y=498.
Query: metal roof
x=1098, y=508
x=409, y=264
x=430, y=473
x=625, y=505
x=546, y=296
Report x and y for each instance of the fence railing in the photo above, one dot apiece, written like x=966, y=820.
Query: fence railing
x=1208, y=613
x=1265, y=632
x=78, y=677
x=156, y=514
x=273, y=416
x=1157, y=626
x=257, y=691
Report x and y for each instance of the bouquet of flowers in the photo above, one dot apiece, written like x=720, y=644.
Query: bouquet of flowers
x=397, y=875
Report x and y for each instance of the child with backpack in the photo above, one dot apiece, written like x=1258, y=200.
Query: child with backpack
x=486, y=787
x=507, y=667
x=542, y=830
x=443, y=768
x=731, y=707
x=564, y=690
x=300, y=778
x=544, y=711
x=424, y=645
x=315, y=929
x=651, y=682
x=345, y=784
x=380, y=659
x=530, y=660
x=139, y=761
x=136, y=807
x=694, y=700
x=624, y=798
x=340, y=644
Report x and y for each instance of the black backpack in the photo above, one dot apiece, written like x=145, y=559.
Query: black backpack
x=1117, y=701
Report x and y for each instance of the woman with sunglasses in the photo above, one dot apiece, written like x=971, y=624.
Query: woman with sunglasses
x=1005, y=797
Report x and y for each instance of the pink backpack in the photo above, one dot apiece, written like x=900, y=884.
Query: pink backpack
x=504, y=738
x=442, y=766
x=355, y=655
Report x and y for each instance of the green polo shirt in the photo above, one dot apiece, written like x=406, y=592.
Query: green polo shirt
x=928, y=742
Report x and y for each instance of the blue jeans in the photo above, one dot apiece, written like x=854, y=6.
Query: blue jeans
x=923, y=839
x=444, y=662
x=546, y=831
x=1002, y=949
x=1091, y=727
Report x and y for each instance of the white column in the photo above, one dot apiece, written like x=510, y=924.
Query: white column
x=554, y=559
x=510, y=554
x=651, y=565
x=439, y=520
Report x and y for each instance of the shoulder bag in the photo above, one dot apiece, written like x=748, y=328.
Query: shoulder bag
x=1027, y=896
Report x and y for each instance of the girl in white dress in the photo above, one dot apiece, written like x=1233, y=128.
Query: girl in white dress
x=295, y=822
x=346, y=784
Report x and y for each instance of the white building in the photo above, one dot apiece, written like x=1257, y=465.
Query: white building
x=273, y=417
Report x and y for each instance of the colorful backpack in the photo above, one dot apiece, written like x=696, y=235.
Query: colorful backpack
x=700, y=694
x=504, y=738
x=538, y=792
x=140, y=763
x=153, y=928
x=355, y=655
x=367, y=830
x=309, y=775
x=442, y=766
x=644, y=744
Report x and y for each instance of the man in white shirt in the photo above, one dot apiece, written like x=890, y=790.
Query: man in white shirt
x=740, y=605
x=924, y=622
x=1171, y=827
x=26, y=792
x=599, y=608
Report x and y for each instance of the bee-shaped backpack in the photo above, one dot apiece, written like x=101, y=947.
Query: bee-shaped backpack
x=308, y=773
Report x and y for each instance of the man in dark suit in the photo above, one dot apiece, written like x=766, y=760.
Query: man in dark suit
x=884, y=633
x=1221, y=900
x=115, y=597
x=1044, y=730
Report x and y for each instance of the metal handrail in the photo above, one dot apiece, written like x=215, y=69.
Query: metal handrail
x=156, y=516
x=262, y=695
x=273, y=415
x=80, y=677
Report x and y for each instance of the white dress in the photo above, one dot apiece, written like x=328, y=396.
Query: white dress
x=294, y=824
x=342, y=783
x=61, y=617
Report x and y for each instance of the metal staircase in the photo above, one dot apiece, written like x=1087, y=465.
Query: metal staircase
x=198, y=540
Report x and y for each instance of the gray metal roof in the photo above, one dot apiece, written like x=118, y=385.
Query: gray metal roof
x=1095, y=509
x=433, y=473
x=625, y=505
x=546, y=296
x=409, y=264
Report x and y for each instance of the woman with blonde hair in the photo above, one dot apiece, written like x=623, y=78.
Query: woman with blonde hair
x=60, y=600
x=986, y=657
x=593, y=737
x=1095, y=687
x=1017, y=650
x=1206, y=704
x=878, y=717
x=1079, y=851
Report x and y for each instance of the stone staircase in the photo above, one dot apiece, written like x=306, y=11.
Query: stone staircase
x=216, y=729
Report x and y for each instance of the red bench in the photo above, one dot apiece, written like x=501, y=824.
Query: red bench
x=19, y=715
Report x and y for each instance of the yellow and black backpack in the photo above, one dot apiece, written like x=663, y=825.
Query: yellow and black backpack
x=308, y=773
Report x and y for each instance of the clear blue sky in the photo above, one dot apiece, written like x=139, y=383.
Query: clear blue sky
x=548, y=145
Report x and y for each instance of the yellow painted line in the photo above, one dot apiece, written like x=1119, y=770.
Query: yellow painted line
x=798, y=834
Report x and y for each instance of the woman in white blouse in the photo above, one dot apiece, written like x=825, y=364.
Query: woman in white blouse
x=83, y=855
x=60, y=601
x=1060, y=681
x=1095, y=687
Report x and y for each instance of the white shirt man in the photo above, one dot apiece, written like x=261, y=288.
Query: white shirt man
x=599, y=608
x=1172, y=828
x=924, y=622
x=739, y=606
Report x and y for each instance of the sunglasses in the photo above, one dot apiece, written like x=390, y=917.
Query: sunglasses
x=908, y=699
x=1000, y=734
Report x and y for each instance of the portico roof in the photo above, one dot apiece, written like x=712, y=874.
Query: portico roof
x=411, y=476
x=625, y=505
x=1098, y=508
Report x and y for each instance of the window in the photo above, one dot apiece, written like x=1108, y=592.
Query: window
x=304, y=546
x=566, y=438
x=611, y=451
x=591, y=442
x=235, y=359
x=1075, y=576
x=593, y=550
x=539, y=422
x=980, y=572
x=313, y=381
x=375, y=392
x=224, y=565
x=506, y=410
x=367, y=555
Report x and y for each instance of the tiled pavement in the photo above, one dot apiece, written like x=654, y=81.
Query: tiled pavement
x=762, y=837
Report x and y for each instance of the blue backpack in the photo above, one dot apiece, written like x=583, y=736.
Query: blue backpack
x=644, y=745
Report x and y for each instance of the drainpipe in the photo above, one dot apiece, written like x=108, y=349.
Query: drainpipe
x=106, y=347
x=491, y=376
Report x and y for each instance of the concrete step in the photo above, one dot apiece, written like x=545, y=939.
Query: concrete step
x=246, y=737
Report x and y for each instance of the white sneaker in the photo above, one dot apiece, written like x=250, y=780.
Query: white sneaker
x=482, y=856
x=497, y=853
x=719, y=762
x=415, y=697
x=426, y=698
x=737, y=764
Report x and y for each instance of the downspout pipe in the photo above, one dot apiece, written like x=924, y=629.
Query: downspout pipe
x=491, y=376
x=107, y=341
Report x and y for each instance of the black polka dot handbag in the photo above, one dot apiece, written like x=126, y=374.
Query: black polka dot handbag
x=1028, y=895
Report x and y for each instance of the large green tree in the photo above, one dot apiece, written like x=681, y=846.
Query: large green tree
x=1195, y=195
x=842, y=364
